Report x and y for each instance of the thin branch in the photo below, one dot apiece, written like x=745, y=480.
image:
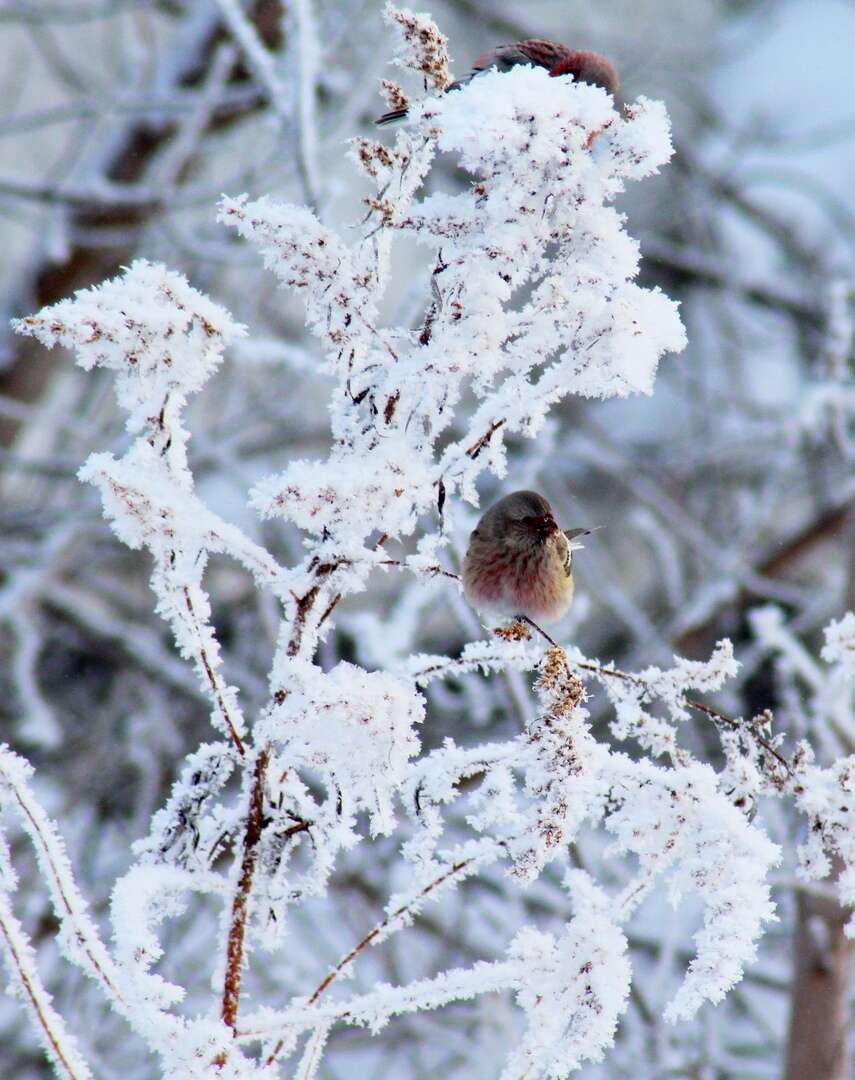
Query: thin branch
x=418, y=996
x=383, y=925
x=259, y=59
x=699, y=706
x=479, y=444
x=217, y=689
x=603, y=673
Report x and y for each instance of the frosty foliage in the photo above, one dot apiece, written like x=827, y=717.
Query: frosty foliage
x=825, y=795
x=25, y=982
x=583, y=980
x=530, y=296
x=840, y=645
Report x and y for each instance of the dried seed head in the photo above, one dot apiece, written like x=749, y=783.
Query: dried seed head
x=395, y=97
x=517, y=631
x=553, y=669
x=425, y=48
x=562, y=688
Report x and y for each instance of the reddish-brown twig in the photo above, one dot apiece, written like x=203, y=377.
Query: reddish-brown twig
x=240, y=903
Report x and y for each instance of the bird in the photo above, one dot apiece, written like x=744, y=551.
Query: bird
x=518, y=563
x=583, y=65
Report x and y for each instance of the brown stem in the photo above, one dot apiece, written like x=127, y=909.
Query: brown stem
x=476, y=448
x=539, y=629
x=240, y=904
x=381, y=926
x=36, y=996
x=305, y=604
x=427, y=329
x=330, y=608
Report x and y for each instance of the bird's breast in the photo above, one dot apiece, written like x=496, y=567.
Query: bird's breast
x=542, y=589
x=530, y=581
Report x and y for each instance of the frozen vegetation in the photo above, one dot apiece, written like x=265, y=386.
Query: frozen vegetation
x=577, y=885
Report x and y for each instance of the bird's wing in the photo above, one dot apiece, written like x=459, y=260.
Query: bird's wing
x=566, y=552
x=504, y=57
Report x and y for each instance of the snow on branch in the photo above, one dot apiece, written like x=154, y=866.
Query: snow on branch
x=536, y=216
x=574, y=989
x=679, y=823
x=563, y=768
x=25, y=983
x=78, y=937
x=356, y=729
x=163, y=339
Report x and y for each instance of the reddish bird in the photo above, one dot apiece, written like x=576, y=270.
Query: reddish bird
x=518, y=561
x=584, y=66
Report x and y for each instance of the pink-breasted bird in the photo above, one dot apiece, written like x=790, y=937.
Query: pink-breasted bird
x=518, y=561
x=584, y=66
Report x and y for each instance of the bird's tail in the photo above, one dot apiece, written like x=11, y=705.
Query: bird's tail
x=391, y=117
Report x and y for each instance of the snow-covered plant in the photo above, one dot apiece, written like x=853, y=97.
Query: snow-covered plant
x=529, y=296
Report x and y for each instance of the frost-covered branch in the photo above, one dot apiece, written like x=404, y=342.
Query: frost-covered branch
x=159, y=361
x=79, y=936
x=25, y=982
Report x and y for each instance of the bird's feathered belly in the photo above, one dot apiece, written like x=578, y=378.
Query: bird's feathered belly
x=533, y=583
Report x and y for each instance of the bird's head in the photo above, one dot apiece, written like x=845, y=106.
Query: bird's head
x=522, y=519
x=591, y=68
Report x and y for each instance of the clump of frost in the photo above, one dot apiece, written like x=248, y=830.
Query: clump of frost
x=678, y=823
x=839, y=645
x=163, y=338
x=353, y=727
x=573, y=989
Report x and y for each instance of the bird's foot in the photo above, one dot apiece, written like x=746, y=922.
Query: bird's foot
x=539, y=629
